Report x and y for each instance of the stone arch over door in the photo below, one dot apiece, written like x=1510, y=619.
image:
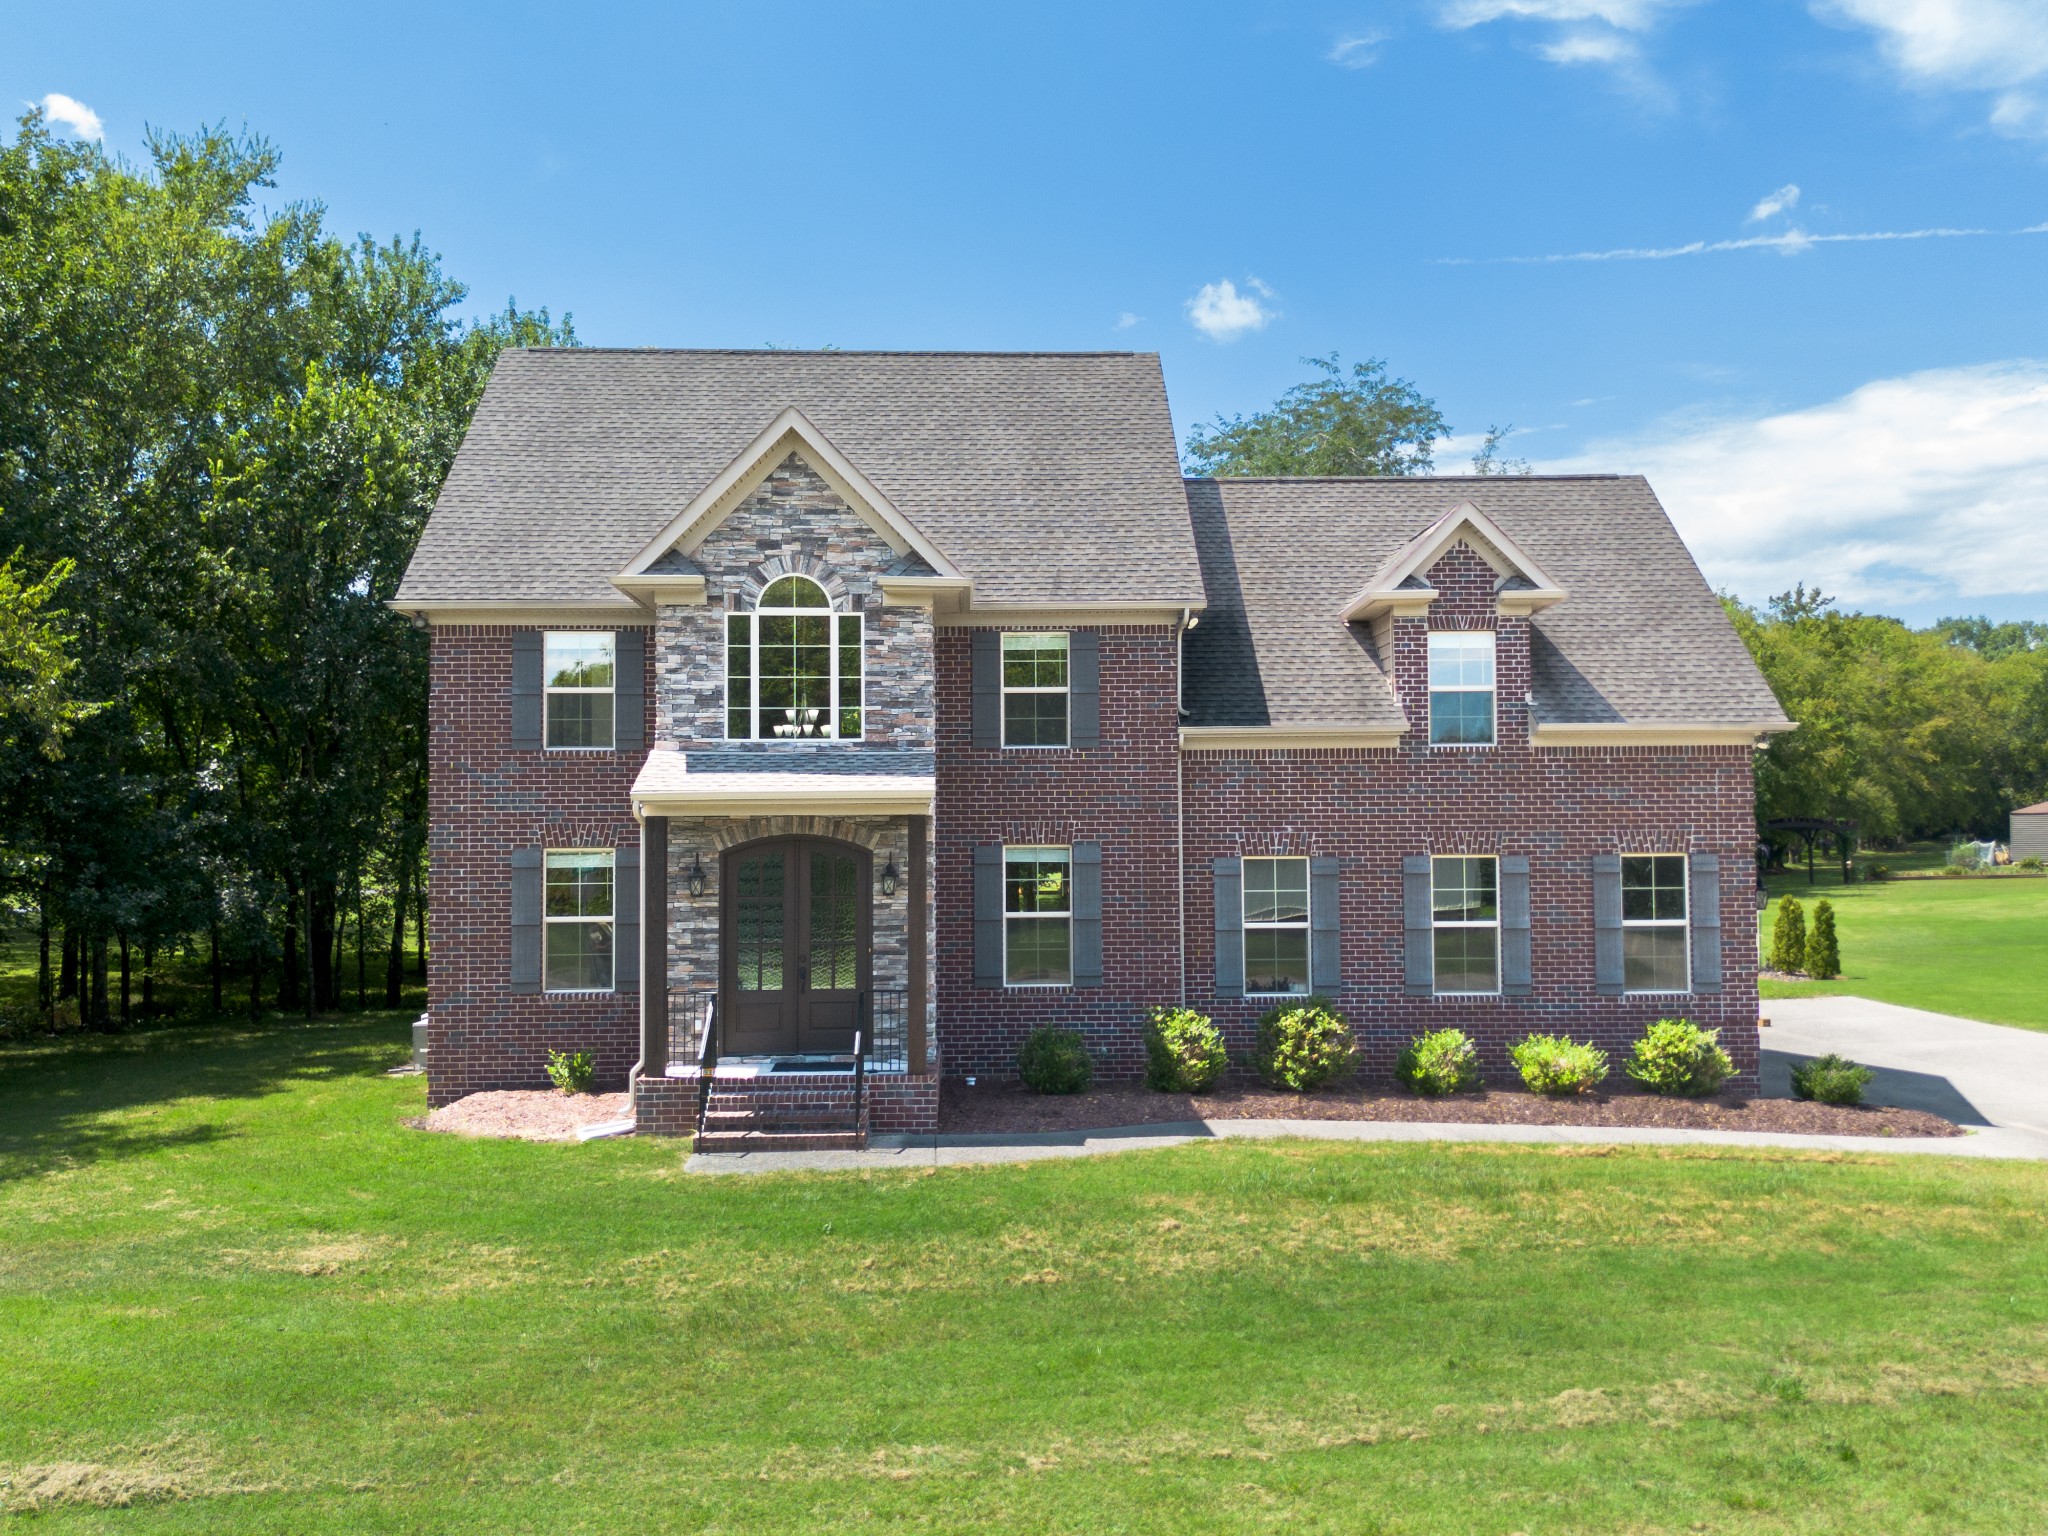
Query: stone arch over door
x=796, y=927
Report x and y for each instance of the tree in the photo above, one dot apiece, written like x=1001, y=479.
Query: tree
x=1788, y=937
x=1363, y=424
x=1488, y=460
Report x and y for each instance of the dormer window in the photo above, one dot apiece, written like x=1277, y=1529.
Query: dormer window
x=793, y=667
x=1461, y=688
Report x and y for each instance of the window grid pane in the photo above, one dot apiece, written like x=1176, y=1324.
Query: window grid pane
x=793, y=676
x=1467, y=960
x=1655, y=945
x=1276, y=960
x=1037, y=927
x=577, y=911
x=1034, y=690
x=1461, y=688
x=1465, y=911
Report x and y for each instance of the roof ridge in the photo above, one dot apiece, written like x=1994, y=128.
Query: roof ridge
x=1393, y=479
x=812, y=352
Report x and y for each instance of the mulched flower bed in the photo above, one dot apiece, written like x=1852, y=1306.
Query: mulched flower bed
x=529, y=1114
x=999, y=1108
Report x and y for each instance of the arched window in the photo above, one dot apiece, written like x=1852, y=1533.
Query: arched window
x=792, y=667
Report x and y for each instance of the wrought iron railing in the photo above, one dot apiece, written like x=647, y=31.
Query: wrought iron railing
x=692, y=1023
x=885, y=1024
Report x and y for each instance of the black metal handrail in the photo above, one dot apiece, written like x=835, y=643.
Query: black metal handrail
x=707, y=1059
x=860, y=1077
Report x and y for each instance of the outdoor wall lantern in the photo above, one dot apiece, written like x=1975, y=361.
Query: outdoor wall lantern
x=889, y=876
x=697, y=880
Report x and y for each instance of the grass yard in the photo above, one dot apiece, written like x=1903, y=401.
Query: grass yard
x=1977, y=948
x=236, y=1290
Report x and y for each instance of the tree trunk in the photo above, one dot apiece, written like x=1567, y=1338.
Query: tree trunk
x=256, y=984
x=320, y=945
x=67, y=978
x=213, y=960
x=127, y=1013
x=149, y=978
x=362, y=946
x=46, y=1001
x=288, y=973
x=394, y=971
x=97, y=1003
x=419, y=920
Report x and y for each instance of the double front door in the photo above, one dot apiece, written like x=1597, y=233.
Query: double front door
x=798, y=943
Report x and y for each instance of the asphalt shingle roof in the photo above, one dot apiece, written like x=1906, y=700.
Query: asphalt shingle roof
x=1045, y=477
x=1641, y=639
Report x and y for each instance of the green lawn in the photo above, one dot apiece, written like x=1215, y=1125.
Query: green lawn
x=236, y=1289
x=1977, y=948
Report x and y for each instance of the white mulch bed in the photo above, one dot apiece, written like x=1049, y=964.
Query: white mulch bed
x=528, y=1113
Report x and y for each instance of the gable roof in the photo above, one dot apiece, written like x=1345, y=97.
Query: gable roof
x=1402, y=578
x=1042, y=477
x=1641, y=640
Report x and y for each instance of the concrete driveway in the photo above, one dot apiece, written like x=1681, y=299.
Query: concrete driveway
x=1987, y=1077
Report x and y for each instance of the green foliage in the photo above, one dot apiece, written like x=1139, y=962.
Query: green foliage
x=1183, y=1051
x=572, y=1073
x=1788, y=937
x=1876, y=871
x=1558, y=1065
x=1676, y=1056
x=1443, y=1061
x=1912, y=733
x=1304, y=1046
x=1367, y=424
x=1830, y=1079
x=1965, y=856
x=2031, y=864
x=221, y=429
x=1053, y=1060
x=1823, y=952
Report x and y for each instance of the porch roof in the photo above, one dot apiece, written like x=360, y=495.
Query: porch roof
x=772, y=781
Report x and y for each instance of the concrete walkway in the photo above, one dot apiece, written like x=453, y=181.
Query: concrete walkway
x=1986, y=1077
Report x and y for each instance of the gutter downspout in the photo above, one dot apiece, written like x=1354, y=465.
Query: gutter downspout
x=1180, y=821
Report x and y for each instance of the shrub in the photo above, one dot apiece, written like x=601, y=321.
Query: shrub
x=1788, y=936
x=2031, y=864
x=1443, y=1061
x=1823, y=954
x=1965, y=856
x=1830, y=1079
x=1053, y=1060
x=571, y=1073
x=1554, y=1064
x=1183, y=1051
x=1303, y=1046
x=1676, y=1056
x=1877, y=871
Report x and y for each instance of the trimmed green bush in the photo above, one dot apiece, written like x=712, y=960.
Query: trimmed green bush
x=1443, y=1061
x=1304, y=1046
x=1877, y=871
x=1557, y=1065
x=1788, y=936
x=1830, y=1079
x=1053, y=1060
x=2031, y=864
x=1823, y=954
x=571, y=1073
x=1676, y=1056
x=1183, y=1051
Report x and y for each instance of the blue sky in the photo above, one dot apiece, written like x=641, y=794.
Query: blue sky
x=1238, y=185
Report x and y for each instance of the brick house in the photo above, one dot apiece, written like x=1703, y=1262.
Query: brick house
x=786, y=699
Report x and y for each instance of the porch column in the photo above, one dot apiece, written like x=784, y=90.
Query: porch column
x=917, y=978
x=653, y=946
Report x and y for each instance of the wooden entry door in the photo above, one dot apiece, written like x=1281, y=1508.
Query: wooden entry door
x=797, y=932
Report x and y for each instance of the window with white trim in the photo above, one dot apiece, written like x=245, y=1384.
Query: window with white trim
x=1038, y=917
x=793, y=667
x=1464, y=915
x=1656, y=944
x=1034, y=690
x=578, y=676
x=576, y=913
x=1276, y=927
x=1461, y=688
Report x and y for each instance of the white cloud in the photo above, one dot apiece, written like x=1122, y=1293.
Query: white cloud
x=1784, y=200
x=1597, y=32
x=1609, y=48
x=1973, y=45
x=1628, y=15
x=1221, y=313
x=1361, y=50
x=1125, y=320
x=1917, y=489
x=73, y=114
x=1792, y=242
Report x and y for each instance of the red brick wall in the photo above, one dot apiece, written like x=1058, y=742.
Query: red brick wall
x=485, y=800
x=1121, y=794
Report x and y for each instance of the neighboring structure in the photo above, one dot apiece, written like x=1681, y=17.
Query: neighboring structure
x=917, y=695
x=2029, y=835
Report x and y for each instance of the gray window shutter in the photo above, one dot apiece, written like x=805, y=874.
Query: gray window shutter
x=1087, y=914
x=1229, y=927
x=1084, y=688
x=526, y=894
x=1325, y=956
x=626, y=917
x=988, y=915
x=988, y=689
x=1609, y=977
x=1514, y=925
x=1704, y=908
x=526, y=693
x=629, y=689
x=1419, y=959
